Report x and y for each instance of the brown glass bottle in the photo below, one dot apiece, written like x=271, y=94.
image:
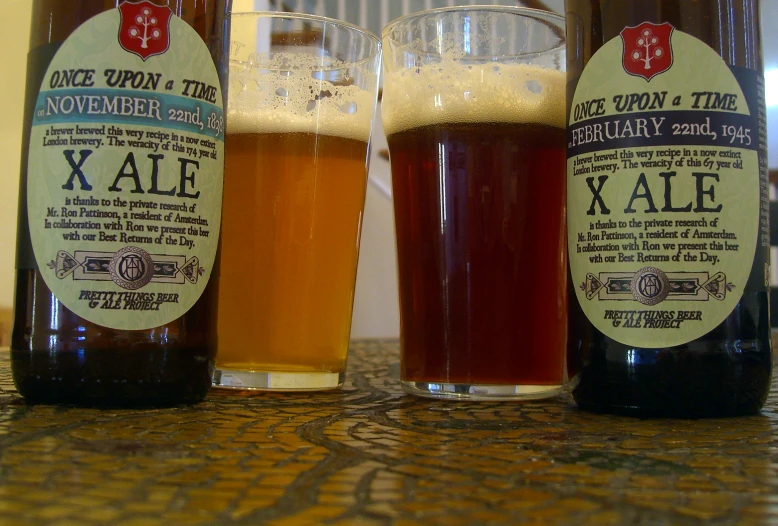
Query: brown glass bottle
x=59, y=357
x=727, y=371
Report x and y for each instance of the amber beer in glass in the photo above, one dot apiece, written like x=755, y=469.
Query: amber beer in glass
x=473, y=108
x=302, y=95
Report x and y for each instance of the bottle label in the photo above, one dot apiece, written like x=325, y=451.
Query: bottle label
x=125, y=168
x=665, y=177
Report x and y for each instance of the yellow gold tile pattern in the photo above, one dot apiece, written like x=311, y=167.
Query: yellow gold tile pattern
x=368, y=455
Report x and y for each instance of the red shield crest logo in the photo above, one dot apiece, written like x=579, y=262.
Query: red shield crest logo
x=144, y=28
x=647, y=49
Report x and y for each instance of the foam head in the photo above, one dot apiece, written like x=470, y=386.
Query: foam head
x=453, y=92
x=292, y=94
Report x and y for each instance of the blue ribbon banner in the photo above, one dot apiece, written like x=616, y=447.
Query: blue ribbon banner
x=116, y=106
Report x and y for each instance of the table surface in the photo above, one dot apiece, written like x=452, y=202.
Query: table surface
x=368, y=454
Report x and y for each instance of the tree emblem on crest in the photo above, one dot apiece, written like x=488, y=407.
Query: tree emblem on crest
x=146, y=20
x=646, y=41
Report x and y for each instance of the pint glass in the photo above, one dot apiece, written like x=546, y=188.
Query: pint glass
x=474, y=111
x=301, y=99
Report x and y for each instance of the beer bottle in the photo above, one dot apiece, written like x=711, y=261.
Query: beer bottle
x=120, y=202
x=667, y=207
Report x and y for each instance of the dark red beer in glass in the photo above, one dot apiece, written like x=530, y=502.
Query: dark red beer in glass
x=477, y=149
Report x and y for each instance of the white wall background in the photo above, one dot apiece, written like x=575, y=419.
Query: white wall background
x=376, y=304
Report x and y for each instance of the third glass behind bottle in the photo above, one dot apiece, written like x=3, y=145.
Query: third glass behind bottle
x=668, y=230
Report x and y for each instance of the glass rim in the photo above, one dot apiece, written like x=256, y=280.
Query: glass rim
x=313, y=18
x=518, y=10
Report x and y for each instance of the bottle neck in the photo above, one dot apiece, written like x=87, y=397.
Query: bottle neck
x=53, y=20
x=731, y=27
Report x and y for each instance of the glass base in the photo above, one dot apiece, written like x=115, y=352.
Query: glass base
x=481, y=392
x=275, y=380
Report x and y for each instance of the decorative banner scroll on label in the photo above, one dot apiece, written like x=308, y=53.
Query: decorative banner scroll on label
x=131, y=267
x=651, y=286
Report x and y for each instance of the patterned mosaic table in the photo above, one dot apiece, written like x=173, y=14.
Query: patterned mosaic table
x=370, y=455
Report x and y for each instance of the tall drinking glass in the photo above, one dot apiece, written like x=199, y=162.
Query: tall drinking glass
x=474, y=111
x=301, y=100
